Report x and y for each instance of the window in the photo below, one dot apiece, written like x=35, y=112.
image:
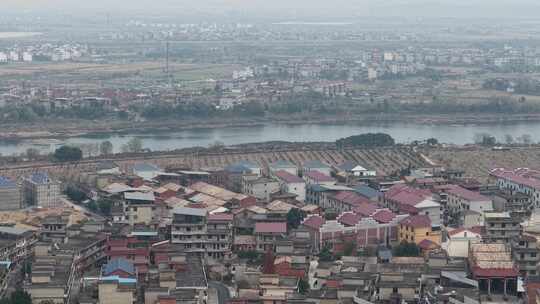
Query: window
x=533, y=255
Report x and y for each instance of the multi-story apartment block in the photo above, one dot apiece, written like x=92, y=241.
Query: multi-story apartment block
x=40, y=190
x=521, y=180
x=196, y=231
x=501, y=227
x=268, y=233
x=16, y=244
x=219, y=237
x=260, y=187
x=188, y=229
x=525, y=254
x=10, y=195
x=460, y=200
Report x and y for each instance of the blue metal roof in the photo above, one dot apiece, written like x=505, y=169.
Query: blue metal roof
x=237, y=168
x=119, y=279
x=6, y=182
x=118, y=264
x=39, y=178
x=367, y=191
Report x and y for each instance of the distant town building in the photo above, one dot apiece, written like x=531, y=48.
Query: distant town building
x=40, y=190
x=10, y=195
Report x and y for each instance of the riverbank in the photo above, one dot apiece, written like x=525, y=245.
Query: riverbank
x=66, y=129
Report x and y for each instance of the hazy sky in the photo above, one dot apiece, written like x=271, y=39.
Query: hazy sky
x=423, y=8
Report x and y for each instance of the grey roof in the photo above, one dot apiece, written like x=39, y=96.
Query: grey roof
x=347, y=165
x=193, y=276
x=247, y=163
x=237, y=168
x=106, y=165
x=315, y=164
x=145, y=167
x=189, y=211
x=282, y=164
x=12, y=230
x=139, y=196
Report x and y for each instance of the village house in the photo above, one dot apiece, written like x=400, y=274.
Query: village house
x=416, y=229
x=290, y=183
x=268, y=233
x=260, y=187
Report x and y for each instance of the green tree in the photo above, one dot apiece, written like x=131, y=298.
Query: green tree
x=367, y=140
x=75, y=194
x=67, y=153
x=326, y=255
x=19, y=297
x=295, y=217
x=105, y=206
x=303, y=286
x=432, y=141
x=134, y=145
x=32, y=153
x=405, y=249
x=93, y=206
x=349, y=248
x=106, y=148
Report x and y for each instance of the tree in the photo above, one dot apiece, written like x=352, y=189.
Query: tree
x=526, y=139
x=367, y=140
x=134, y=145
x=432, y=141
x=92, y=206
x=32, y=153
x=349, y=248
x=67, y=153
x=405, y=249
x=485, y=139
x=295, y=217
x=303, y=286
x=106, y=148
x=18, y=297
x=326, y=255
x=75, y=194
x=508, y=139
x=105, y=206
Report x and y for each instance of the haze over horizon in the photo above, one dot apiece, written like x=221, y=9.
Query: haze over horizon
x=289, y=9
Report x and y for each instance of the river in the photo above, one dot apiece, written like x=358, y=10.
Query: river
x=402, y=132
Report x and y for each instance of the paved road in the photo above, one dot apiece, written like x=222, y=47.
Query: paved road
x=223, y=291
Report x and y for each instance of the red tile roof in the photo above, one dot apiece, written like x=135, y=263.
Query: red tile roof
x=220, y=217
x=287, y=177
x=467, y=194
x=384, y=216
x=494, y=272
x=474, y=229
x=318, y=176
x=404, y=194
x=426, y=244
x=350, y=198
x=416, y=221
x=271, y=227
x=349, y=218
x=314, y=222
x=365, y=209
x=521, y=176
